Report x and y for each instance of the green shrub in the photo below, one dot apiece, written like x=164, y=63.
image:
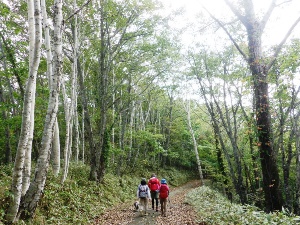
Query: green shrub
x=214, y=208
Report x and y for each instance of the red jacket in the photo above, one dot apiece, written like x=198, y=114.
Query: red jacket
x=154, y=184
x=164, y=191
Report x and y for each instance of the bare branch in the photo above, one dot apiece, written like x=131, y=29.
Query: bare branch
x=267, y=15
x=78, y=10
x=279, y=47
x=237, y=13
x=284, y=2
x=227, y=32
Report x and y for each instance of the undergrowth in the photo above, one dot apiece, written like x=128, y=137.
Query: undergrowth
x=80, y=201
x=213, y=208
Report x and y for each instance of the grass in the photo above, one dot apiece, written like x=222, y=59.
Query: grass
x=213, y=208
x=80, y=201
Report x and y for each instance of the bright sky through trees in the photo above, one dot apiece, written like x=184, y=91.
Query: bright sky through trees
x=194, y=21
x=283, y=17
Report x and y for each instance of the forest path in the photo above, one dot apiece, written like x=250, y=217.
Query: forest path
x=178, y=212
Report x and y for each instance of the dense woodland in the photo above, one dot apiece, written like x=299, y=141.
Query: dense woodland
x=110, y=84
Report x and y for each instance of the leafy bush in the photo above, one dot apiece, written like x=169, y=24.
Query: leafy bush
x=80, y=201
x=214, y=208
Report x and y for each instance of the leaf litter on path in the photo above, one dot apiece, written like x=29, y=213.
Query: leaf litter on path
x=178, y=211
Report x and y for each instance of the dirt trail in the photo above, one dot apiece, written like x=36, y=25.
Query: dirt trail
x=178, y=212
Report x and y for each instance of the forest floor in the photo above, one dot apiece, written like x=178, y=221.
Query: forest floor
x=178, y=211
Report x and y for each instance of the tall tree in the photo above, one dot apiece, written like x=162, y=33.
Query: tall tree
x=23, y=160
x=32, y=197
x=260, y=67
x=55, y=154
x=188, y=112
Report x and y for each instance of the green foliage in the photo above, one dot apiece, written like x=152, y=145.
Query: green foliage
x=80, y=201
x=5, y=180
x=214, y=208
x=176, y=177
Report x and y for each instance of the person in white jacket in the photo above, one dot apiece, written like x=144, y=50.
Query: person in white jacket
x=143, y=194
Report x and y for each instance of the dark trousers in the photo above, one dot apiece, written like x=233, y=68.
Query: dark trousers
x=154, y=196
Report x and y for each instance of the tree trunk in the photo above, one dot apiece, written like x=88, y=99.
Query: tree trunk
x=295, y=122
x=273, y=197
x=68, y=137
x=55, y=153
x=215, y=123
x=221, y=166
x=188, y=111
x=104, y=63
x=34, y=19
x=87, y=122
x=259, y=70
x=30, y=201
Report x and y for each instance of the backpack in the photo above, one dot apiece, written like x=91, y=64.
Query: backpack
x=154, y=184
x=163, y=191
x=143, y=191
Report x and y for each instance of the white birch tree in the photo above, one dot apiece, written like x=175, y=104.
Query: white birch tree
x=55, y=154
x=189, y=123
x=30, y=201
x=21, y=173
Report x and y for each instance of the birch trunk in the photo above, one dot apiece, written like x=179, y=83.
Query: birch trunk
x=74, y=86
x=33, y=195
x=70, y=107
x=68, y=118
x=56, y=150
x=131, y=127
x=76, y=135
x=188, y=112
x=21, y=160
x=55, y=155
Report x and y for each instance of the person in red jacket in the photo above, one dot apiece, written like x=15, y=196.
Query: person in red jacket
x=164, y=191
x=154, y=186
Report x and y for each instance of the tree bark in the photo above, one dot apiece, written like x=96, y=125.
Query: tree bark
x=188, y=111
x=259, y=70
x=30, y=201
x=55, y=153
x=34, y=19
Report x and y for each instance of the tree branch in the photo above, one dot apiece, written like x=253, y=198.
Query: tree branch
x=78, y=10
x=240, y=17
x=267, y=15
x=227, y=32
x=236, y=13
x=279, y=47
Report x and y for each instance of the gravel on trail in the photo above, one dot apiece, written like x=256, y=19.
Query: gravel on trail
x=178, y=211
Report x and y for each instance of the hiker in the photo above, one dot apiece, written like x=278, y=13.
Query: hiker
x=143, y=194
x=154, y=185
x=164, y=191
